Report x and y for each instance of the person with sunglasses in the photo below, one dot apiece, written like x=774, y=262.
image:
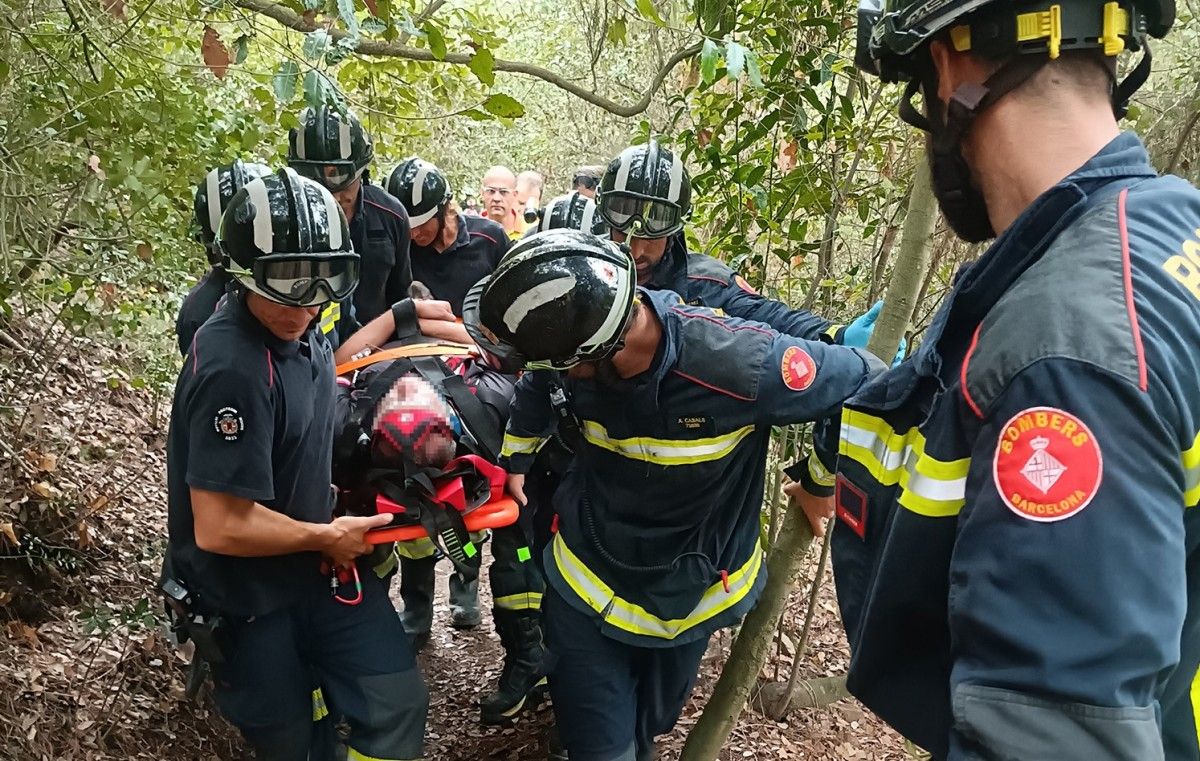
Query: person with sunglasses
x=251, y=538
x=645, y=197
x=499, y=194
x=669, y=408
x=331, y=147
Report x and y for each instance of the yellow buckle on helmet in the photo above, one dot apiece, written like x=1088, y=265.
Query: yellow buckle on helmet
x=1047, y=23
x=1116, y=23
x=960, y=36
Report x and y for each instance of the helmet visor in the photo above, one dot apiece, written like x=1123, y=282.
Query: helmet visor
x=586, y=181
x=334, y=175
x=640, y=217
x=305, y=280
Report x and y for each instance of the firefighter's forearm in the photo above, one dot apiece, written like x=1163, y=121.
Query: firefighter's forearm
x=230, y=525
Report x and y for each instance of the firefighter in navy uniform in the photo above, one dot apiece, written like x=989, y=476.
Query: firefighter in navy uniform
x=671, y=409
x=645, y=197
x=1017, y=538
x=334, y=149
x=212, y=194
x=250, y=503
x=451, y=251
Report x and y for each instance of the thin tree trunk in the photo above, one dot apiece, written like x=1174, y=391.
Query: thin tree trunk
x=909, y=270
x=740, y=674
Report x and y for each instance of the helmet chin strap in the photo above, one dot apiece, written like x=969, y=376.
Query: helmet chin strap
x=948, y=124
x=437, y=237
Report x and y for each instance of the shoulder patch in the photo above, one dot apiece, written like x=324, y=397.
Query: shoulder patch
x=797, y=368
x=1047, y=466
x=228, y=423
x=1070, y=304
x=741, y=283
x=721, y=354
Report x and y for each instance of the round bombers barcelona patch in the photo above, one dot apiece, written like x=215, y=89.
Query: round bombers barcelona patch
x=745, y=286
x=1047, y=465
x=798, y=369
x=228, y=423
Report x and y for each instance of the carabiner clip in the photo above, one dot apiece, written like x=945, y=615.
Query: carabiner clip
x=336, y=582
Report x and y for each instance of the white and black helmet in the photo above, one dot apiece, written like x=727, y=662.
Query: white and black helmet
x=558, y=298
x=573, y=211
x=421, y=188
x=213, y=194
x=646, y=192
x=286, y=239
x=330, y=147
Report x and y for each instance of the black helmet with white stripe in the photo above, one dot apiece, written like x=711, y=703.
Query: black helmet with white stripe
x=285, y=238
x=421, y=188
x=573, y=211
x=558, y=299
x=646, y=192
x=330, y=146
x=212, y=196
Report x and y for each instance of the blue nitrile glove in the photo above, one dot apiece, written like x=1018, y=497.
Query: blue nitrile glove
x=858, y=333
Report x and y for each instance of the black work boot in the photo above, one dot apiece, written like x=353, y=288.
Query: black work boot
x=522, y=680
x=464, y=602
x=416, y=590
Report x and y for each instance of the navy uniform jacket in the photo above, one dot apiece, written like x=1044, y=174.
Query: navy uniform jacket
x=252, y=417
x=659, y=514
x=704, y=281
x=1017, y=544
x=474, y=254
x=199, y=305
x=379, y=231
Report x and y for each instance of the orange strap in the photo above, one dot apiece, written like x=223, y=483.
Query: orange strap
x=400, y=352
x=494, y=514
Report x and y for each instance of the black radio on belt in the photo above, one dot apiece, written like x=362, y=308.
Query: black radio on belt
x=209, y=633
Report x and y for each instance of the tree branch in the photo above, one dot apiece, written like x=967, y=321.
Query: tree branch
x=293, y=20
x=1179, y=145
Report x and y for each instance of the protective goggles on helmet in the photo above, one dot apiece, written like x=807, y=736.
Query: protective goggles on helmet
x=640, y=217
x=302, y=280
x=586, y=181
x=334, y=175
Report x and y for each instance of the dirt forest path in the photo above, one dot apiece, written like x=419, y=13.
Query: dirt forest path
x=85, y=672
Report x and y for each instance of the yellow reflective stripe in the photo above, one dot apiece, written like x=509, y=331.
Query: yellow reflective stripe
x=415, y=549
x=520, y=601
x=354, y=755
x=521, y=445
x=634, y=618
x=1196, y=704
x=320, y=711
x=1191, y=474
x=330, y=315
x=930, y=487
x=818, y=473
x=388, y=564
x=831, y=331
x=666, y=451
